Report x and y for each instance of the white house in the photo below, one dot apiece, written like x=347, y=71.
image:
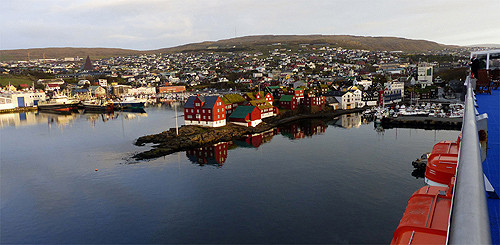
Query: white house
x=345, y=99
x=395, y=86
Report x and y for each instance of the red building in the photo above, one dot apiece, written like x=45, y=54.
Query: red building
x=205, y=111
x=171, y=89
x=289, y=102
x=298, y=93
x=249, y=116
x=259, y=95
x=313, y=101
x=232, y=101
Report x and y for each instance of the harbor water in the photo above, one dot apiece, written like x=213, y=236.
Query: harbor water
x=70, y=179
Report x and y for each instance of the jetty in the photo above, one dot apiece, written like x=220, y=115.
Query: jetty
x=422, y=122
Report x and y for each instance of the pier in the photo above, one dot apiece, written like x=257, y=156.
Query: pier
x=422, y=122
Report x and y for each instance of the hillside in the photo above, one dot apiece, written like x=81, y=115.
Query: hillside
x=345, y=41
x=50, y=53
x=249, y=43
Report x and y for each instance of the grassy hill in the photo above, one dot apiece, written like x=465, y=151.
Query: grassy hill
x=345, y=41
x=50, y=53
x=248, y=43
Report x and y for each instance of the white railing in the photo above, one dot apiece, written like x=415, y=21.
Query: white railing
x=469, y=220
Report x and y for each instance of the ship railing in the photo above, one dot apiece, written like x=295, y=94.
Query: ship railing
x=469, y=220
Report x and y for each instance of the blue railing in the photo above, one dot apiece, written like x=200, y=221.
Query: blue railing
x=469, y=220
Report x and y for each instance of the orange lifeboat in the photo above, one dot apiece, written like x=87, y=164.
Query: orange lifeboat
x=442, y=163
x=425, y=220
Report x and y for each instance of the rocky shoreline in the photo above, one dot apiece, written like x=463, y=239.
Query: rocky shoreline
x=167, y=142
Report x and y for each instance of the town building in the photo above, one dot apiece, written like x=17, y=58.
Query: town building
x=171, y=89
x=249, y=116
x=424, y=75
x=289, y=102
x=205, y=111
x=232, y=101
x=21, y=99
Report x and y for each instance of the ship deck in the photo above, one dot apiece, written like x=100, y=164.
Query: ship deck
x=490, y=104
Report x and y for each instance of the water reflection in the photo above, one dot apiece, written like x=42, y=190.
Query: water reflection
x=302, y=129
x=216, y=155
x=353, y=120
x=64, y=119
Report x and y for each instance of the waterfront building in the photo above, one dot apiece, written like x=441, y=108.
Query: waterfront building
x=232, y=101
x=205, y=111
x=120, y=90
x=311, y=101
x=395, y=86
x=249, y=116
x=289, y=102
x=97, y=91
x=345, y=99
x=21, y=99
x=266, y=108
x=171, y=89
x=370, y=98
x=142, y=91
x=81, y=93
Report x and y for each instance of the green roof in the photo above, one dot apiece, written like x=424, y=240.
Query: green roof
x=273, y=87
x=261, y=101
x=251, y=95
x=232, y=98
x=286, y=97
x=242, y=111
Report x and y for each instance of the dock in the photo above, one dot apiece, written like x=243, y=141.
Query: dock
x=422, y=122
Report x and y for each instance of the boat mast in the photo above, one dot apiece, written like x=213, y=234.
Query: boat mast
x=176, y=124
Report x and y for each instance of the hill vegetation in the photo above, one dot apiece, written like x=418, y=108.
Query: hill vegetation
x=248, y=43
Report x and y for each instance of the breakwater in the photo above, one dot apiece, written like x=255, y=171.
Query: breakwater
x=191, y=136
x=422, y=122
x=19, y=109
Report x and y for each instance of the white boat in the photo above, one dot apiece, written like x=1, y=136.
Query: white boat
x=59, y=102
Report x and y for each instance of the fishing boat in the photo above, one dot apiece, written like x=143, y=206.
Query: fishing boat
x=97, y=106
x=130, y=102
x=59, y=102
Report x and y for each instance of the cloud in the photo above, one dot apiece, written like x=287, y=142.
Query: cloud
x=151, y=24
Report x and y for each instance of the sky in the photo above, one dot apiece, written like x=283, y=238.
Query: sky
x=155, y=24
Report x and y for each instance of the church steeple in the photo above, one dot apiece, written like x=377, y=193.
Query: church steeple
x=88, y=65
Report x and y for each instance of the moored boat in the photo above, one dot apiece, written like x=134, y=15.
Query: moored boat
x=130, y=103
x=59, y=103
x=97, y=105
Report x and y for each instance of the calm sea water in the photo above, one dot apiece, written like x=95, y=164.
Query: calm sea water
x=340, y=181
